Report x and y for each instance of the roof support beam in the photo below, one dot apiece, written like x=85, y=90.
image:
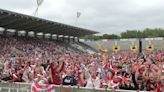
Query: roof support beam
x=21, y=25
x=12, y=22
x=33, y=25
x=5, y=32
x=54, y=30
x=45, y=27
x=3, y=17
x=16, y=32
x=74, y=32
x=65, y=31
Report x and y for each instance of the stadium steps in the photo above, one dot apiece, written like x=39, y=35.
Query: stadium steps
x=17, y=50
x=74, y=48
x=87, y=46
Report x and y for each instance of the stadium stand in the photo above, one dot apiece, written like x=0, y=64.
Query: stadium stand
x=125, y=43
x=38, y=61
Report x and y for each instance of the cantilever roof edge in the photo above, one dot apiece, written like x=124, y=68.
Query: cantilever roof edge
x=70, y=30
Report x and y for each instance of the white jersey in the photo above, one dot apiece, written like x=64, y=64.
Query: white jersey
x=93, y=83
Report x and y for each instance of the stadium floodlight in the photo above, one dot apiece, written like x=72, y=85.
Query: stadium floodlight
x=77, y=17
x=39, y=3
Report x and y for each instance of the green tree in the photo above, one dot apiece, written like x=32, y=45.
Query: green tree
x=156, y=32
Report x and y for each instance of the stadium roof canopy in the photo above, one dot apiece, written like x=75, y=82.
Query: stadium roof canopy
x=12, y=20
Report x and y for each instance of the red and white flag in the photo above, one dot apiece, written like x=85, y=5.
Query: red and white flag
x=42, y=88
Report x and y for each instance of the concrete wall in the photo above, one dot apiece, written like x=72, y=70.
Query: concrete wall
x=125, y=43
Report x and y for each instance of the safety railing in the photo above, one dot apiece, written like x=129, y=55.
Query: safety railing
x=21, y=87
x=15, y=87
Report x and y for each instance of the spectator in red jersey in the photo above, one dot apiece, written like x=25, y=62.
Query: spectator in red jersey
x=56, y=68
x=160, y=85
x=28, y=57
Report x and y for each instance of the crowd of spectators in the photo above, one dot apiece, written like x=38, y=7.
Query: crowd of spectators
x=43, y=61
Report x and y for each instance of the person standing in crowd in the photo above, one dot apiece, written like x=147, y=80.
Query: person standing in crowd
x=69, y=79
x=56, y=68
x=124, y=70
x=81, y=81
x=93, y=78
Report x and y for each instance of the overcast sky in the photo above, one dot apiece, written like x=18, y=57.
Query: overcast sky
x=104, y=16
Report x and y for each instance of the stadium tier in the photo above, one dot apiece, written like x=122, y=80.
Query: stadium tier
x=126, y=44
x=43, y=65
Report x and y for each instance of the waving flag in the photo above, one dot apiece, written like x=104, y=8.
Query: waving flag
x=42, y=88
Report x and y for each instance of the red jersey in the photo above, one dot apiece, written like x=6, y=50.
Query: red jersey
x=55, y=74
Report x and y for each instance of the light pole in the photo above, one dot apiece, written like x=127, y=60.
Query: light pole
x=140, y=42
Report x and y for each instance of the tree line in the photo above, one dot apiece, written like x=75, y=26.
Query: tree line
x=146, y=33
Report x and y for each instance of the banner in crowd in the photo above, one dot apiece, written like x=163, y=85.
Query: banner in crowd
x=42, y=88
x=54, y=88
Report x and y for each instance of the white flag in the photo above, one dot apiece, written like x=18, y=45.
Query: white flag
x=78, y=14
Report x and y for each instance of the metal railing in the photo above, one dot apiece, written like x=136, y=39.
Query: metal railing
x=15, y=87
x=22, y=87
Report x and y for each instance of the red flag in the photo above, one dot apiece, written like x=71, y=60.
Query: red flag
x=40, y=88
x=106, y=66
